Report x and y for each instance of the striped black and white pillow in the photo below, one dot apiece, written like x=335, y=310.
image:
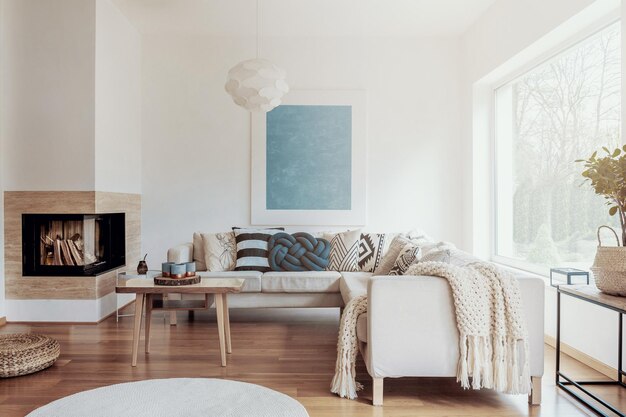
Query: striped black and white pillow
x=252, y=248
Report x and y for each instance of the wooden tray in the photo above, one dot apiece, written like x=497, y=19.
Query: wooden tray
x=161, y=280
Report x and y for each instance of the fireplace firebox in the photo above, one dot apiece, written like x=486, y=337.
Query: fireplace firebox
x=72, y=244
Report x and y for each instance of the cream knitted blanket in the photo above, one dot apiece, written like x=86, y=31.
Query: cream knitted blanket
x=493, y=341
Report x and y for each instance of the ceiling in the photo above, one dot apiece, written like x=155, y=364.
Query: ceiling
x=305, y=17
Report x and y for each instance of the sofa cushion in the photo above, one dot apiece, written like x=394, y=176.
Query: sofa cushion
x=301, y=281
x=198, y=252
x=410, y=254
x=371, y=246
x=252, y=248
x=251, y=279
x=344, y=251
x=353, y=284
x=390, y=256
x=361, y=328
x=220, y=251
x=298, y=252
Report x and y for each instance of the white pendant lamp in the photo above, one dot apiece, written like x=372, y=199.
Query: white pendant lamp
x=257, y=84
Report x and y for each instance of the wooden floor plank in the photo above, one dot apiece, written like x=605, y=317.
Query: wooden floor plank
x=292, y=351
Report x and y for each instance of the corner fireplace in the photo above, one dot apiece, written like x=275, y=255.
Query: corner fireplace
x=72, y=244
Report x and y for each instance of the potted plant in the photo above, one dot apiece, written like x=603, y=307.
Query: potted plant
x=607, y=177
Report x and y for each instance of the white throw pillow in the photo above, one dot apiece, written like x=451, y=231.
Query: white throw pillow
x=437, y=255
x=220, y=251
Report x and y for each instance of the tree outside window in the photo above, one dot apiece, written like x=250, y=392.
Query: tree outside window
x=560, y=111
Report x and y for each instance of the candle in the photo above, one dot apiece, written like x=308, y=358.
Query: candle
x=190, y=269
x=178, y=271
x=166, y=268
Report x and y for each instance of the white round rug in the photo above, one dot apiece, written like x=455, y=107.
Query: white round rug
x=188, y=397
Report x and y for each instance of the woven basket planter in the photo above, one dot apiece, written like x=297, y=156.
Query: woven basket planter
x=609, y=267
x=25, y=353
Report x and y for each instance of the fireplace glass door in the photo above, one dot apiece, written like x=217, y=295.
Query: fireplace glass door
x=70, y=244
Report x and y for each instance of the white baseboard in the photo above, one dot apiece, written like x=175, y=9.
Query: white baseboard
x=582, y=357
x=73, y=311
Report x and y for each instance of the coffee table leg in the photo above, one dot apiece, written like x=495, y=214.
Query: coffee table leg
x=229, y=348
x=148, y=303
x=137, y=329
x=219, y=310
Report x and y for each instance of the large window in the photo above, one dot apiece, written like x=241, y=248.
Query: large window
x=560, y=111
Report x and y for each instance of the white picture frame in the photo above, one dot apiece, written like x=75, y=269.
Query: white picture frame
x=356, y=215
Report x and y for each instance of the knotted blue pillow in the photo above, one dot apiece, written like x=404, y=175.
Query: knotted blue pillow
x=297, y=252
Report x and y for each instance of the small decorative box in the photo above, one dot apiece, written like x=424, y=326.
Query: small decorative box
x=567, y=274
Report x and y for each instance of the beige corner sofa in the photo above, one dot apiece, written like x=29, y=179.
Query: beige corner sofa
x=410, y=327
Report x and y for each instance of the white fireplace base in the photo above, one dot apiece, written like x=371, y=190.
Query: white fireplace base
x=76, y=311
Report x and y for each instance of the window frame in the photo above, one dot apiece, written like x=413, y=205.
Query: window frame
x=532, y=64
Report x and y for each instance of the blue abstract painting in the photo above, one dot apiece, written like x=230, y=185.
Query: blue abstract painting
x=309, y=157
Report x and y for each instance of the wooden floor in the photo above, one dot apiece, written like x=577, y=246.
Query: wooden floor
x=292, y=351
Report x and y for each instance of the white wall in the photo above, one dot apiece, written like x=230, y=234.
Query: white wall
x=2, y=298
x=70, y=74
x=48, y=68
x=508, y=27
x=117, y=102
x=508, y=35
x=196, y=142
x=72, y=87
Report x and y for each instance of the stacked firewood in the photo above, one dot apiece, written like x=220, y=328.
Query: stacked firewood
x=68, y=252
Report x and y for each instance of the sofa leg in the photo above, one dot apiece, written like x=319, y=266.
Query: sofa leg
x=535, y=394
x=377, y=390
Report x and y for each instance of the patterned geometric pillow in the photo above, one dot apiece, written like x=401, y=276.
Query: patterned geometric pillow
x=408, y=255
x=344, y=251
x=220, y=251
x=252, y=248
x=370, y=251
x=389, y=258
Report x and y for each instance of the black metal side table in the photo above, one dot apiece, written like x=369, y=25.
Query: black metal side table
x=590, y=294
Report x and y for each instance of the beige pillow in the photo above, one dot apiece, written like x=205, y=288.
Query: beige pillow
x=220, y=251
x=390, y=256
x=198, y=252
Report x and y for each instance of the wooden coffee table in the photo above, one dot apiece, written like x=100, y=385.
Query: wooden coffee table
x=145, y=290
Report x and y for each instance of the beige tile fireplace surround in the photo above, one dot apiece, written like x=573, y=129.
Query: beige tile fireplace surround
x=87, y=292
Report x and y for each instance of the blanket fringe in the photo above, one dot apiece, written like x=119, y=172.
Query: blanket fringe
x=344, y=382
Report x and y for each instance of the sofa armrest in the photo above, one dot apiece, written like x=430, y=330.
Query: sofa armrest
x=181, y=253
x=411, y=326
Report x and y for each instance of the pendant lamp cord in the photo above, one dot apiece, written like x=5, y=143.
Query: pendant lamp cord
x=258, y=27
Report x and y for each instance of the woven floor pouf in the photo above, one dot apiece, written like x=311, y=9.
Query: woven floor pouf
x=25, y=353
